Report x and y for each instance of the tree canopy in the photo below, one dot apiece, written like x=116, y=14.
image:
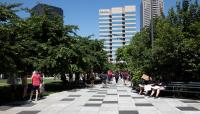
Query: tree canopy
x=175, y=55
x=40, y=43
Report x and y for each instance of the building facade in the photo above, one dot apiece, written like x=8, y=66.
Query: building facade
x=50, y=11
x=117, y=26
x=150, y=8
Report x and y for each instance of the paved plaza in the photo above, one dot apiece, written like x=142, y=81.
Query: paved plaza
x=116, y=99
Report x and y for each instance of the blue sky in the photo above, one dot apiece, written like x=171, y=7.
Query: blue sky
x=84, y=13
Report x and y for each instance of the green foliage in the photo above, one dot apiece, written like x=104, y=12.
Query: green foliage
x=175, y=54
x=45, y=44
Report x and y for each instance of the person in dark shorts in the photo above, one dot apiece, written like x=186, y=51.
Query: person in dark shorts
x=103, y=77
x=125, y=76
x=92, y=78
x=117, y=74
x=36, y=81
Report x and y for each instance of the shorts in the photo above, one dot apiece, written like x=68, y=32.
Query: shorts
x=158, y=87
x=141, y=85
x=92, y=78
x=35, y=88
x=147, y=87
x=109, y=78
x=125, y=78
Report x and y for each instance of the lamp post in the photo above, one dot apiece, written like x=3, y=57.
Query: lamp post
x=152, y=37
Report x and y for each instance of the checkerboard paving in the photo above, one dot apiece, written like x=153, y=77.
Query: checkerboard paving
x=116, y=99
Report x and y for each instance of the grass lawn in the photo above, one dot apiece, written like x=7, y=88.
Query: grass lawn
x=3, y=82
x=46, y=81
x=6, y=92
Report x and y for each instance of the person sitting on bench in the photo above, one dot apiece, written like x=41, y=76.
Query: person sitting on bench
x=145, y=83
x=156, y=88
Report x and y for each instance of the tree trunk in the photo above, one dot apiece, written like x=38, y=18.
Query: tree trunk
x=24, y=86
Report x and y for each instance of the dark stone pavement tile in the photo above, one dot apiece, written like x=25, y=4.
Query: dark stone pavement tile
x=94, y=89
x=67, y=99
x=134, y=91
x=188, y=109
x=74, y=95
x=124, y=96
x=129, y=112
x=73, y=90
x=98, y=96
x=138, y=97
x=21, y=104
x=30, y=104
x=120, y=86
x=112, y=94
x=28, y=112
x=143, y=104
x=91, y=91
x=4, y=108
x=122, y=90
x=190, y=101
x=95, y=99
x=110, y=102
x=92, y=105
x=102, y=90
x=102, y=93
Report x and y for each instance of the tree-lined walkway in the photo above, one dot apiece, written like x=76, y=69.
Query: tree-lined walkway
x=117, y=99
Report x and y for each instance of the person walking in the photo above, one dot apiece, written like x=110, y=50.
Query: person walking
x=36, y=81
x=117, y=74
x=103, y=77
x=92, y=78
x=125, y=76
x=110, y=76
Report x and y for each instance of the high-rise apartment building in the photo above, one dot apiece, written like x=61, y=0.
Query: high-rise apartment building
x=50, y=11
x=150, y=8
x=116, y=27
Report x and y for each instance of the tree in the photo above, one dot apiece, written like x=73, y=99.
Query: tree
x=40, y=43
x=175, y=54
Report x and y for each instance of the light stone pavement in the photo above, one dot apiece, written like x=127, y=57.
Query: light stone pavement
x=116, y=99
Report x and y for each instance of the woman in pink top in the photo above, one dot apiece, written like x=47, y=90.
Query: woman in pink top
x=36, y=81
x=109, y=76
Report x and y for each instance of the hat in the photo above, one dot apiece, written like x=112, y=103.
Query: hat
x=146, y=77
x=34, y=72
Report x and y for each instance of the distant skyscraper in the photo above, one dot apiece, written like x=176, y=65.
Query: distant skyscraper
x=150, y=6
x=116, y=27
x=51, y=11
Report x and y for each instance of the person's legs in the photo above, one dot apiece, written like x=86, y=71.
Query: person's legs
x=158, y=92
x=105, y=82
x=36, y=95
x=124, y=81
x=152, y=92
x=116, y=79
x=108, y=79
x=92, y=82
x=141, y=90
x=33, y=89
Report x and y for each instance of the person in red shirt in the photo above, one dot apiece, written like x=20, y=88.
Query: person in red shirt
x=110, y=76
x=36, y=81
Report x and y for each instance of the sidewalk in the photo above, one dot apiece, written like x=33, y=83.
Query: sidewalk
x=117, y=99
